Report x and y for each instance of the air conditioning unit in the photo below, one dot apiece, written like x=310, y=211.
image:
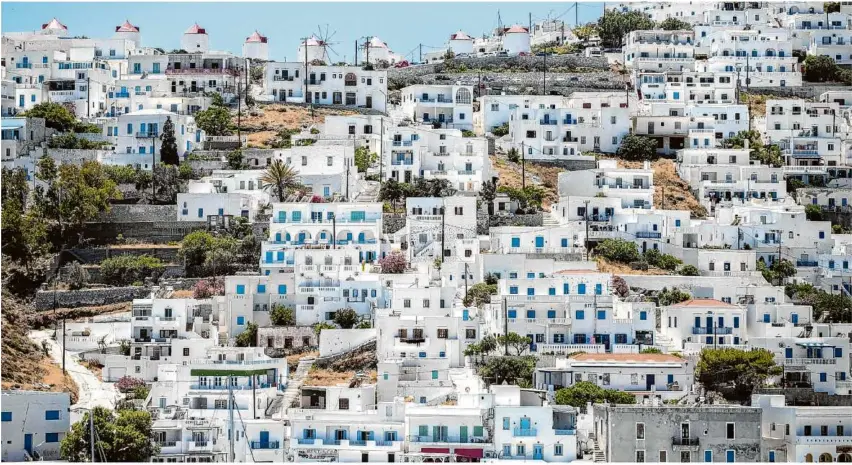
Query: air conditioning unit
x=490, y=454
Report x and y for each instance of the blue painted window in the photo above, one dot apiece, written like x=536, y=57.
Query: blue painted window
x=505, y=423
x=670, y=379
x=677, y=95
x=516, y=242
x=530, y=313
x=602, y=314
x=7, y=416
x=643, y=315
x=200, y=210
x=261, y=288
x=838, y=352
x=580, y=315
x=507, y=450
x=730, y=456
x=551, y=313
x=581, y=289
x=513, y=290
x=530, y=291
x=241, y=320
x=823, y=377
x=513, y=313
x=598, y=289
x=822, y=234
x=372, y=292
x=385, y=376
x=51, y=414
x=513, y=275
x=422, y=354
x=551, y=291
x=766, y=318
x=434, y=374
x=708, y=455
x=297, y=217
x=241, y=289
x=565, y=288
x=564, y=242
x=442, y=354
x=465, y=315
x=51, y=437
x=130, y=128
x=530, y=275
x=677, y=223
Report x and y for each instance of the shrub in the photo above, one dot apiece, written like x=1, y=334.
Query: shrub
x=393, y=263
x=688, y=270
x=127, y=269
x=513, y=155
x=346, y=318
x=281, y=315
x=247, y=338
x=668, y=297
x=208, y=288
x=127, y=384
x=77, y=276
x=637, y=148
x=501, y=130
x=620, y=286
x=618, y=250
x=479, y=294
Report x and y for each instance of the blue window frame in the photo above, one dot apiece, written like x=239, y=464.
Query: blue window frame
x=261, y=288
x=677, y=223
x=564, y=242
x=823, y=377
x=241, y=289
x=282, y=288
x=513, y=290
x=822, y=234
x=551, y=313
x=7, y=416
x=51, y=414
x=581, y=289
x=530, y=275
x=551, y=291
x=241, y=320
x=516, y=242
x=51, y=437
x=838, y=352
x=530, y=313
x=736, y=322
x=566, y=288
x=530, y=291
x=598, y=289
x=422, y=354
x=512, y=313
x=602, y=314
x=730, y=457
x=708, y=455
x=580, y=315
x=643, y=315
x=442, y=354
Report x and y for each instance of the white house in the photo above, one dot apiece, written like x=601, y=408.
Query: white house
x=326, y=85
x=448, y=106
x=138, y=134
x=699, y=323
x=659, y=50
x=34, y=423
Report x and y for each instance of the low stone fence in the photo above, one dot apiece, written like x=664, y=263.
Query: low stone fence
x=138, y=213
x=807, y=396
x=531, y=219
x=89, y=297
x=159, y=232
x=393, y=222
x=167, y=254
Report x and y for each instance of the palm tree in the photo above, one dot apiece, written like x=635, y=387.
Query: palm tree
x=281, y=178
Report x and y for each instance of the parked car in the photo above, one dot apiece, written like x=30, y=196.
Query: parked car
x=401, y=64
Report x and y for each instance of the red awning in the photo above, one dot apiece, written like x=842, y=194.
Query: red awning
x=469, y=453
x=434, y=450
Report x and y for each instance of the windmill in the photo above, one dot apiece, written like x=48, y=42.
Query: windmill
x=325, y=41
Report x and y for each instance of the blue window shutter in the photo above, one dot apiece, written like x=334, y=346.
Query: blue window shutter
x=51, y=437
x=838, y=352
x=241, y=289
x=551, y=291
x=581, y=289
x=736, y=322
x=513, y=290
x=565, y=288
x=241, y=320
x=282, y=288
x=602, y=314
x=581, y=314
x=551, y=313
x=7, y=416
x=530, y=313
x=643, y=315
x=823, y=377
x=564, y=242
x=530, y=291
x=513, y=313
x=261, y=288
x=516, y=242
x=677, y=223
x=51, y=414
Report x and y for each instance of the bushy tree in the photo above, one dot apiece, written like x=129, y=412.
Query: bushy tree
x=488, y=193
x=672, y=296
x=500, y=131
x=323, y=325
x=585, y=392
x=585, y=31
x=736, y=373
x=364, y=159
x=688, y=270
x=650, y=350
x=127, y=384
x=660, y=260
x=247, y=338
x=765, y=154
x=637, y=148
x=346, y=318
x=204, y=254
x=779, y=271
x=127, y=269
x=393, y=192
x=813, y=212
x=618, y=250
x=619, y=286
x=515, y=341
x=168, y=147
x=674, y=24
x=69, y=140
x=207, y=288
x=282, y=315
x=55, y=115
x=122, y=436
x=819, y=68
x=24, y=231
x=393, y=263
x=236, y=160
x=214, y=121
x=479, y=294
x=614, y=25
x=511, y=370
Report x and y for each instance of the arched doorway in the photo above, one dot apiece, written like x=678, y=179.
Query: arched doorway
x=809, y=458
x=844, y=458
x=825, y=457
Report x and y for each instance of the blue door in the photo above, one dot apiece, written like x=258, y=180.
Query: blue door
x=794, y=317
x=698, y=322
x=729, y=456
x=28, y=443
x=537, y=451
x=539, y=241
x=771, y=456
x=532, y=342
x=788, y=352
x=708, y=456
x=269, y=256
x=525, y=423
x=264, y=438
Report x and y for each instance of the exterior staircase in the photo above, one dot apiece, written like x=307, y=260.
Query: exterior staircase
x=294, y=385
x=597, y=454
x=548, y=220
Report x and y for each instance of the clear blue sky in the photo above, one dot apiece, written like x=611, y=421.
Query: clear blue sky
x=402, y=25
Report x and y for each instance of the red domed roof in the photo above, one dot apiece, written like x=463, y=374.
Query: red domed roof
x=54, y=24
x=126, y=27
x=256, y=37
x=196, y=29
x=460, y=36
x=517, y=29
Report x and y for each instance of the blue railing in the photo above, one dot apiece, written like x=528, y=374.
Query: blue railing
x=265, y=445
x=23, y=65
x=565, y=432
x=549, y=122
x=525, y=432
x=402, y=162
x=310, y=441
x=122, y=95
x=648, y=235
x=806, y=263
x=371, y=218
x=147, y=134
x=240, y=387
x=712, y=331
x=357, y=442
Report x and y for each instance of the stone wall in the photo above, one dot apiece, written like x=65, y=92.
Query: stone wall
x=157, y=232
x=807, y=91
x=168, y=254
x=393, y=222
x=273, y=337
x=138, y=213
x=576, y=164
x=807, y=397
x=483, y=221
x=339, y=341
x=532, y=219
x=89, y=297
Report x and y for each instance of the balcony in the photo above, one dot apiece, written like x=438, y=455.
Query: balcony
x=306, y=441
x=446, y=439
x=806, y=263
x=648, y=235
x=265, y=445
x=147, y=135
x=403, y=143
x=122, y=95
x=565, y=432
x=404, y=162
x=282, y=78
x=824, y=440
x=810, y=361
x=548, y=122
x=524, y=432
x=688, y=442
x=717, y=331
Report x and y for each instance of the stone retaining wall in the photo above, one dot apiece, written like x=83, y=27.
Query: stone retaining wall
x=138, y=213
x=157, y=232
x=807, y=91
x=89, y=297
x=533, y=219
x=94, y=256
x=393, y=222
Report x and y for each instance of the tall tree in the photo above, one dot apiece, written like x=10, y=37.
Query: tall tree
x=674, y=24
x=735, y=373
x=55, y=115
x=614, y=25
x=281, y=178
x=168, y=148
x=488, y=194
x=123, y=436
x=214, y=121
x=24, y=230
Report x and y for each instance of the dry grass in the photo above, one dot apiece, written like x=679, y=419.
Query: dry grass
x=182, y=294
x=606, y=266
x=267, y=120
x=95, y=367
x=324, y=377
x=293, y=360
x=678, y=196
x=510, y=175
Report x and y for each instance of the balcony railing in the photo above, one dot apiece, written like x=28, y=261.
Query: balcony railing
x=548, y=122
x=713, y=331
x=810, y=361
x=648, y=235
x=122, y=95
x=676, y=441
x=806, y=263
x=525, y=432
x=265, y=445
x=446, y=439
x=565, y=432
x=403, y=143
x=148, y=134
x=306, y=441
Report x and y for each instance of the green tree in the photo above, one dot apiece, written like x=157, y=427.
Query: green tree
x=393, y=192
x=185, y=171
x=831, y=7
x=674, y=24
x=735, y=373
x=282, y=315
x=122, y=270
x=586, y=31
x=121, y=174
x=167, y=184
x=618, y=250
x=813, y=212
x=584, y=392
x=86, y=192
x=513, y=155
x=24, y=231
x=364, y=159
x=500, y=131
x=637, y=148
x=235, y=160
x=346, y=318
x=214, y=121
x=778, y=272
x=511, y=370
x=69, y=140
x=688, y=270
x=479, y=294
x=650, y=350
x=281, y=178
x=819, y=68
x=488, y=193
x=672, y=296
x=765, y=154
x=168, y=147
x=122, y=436
x=55, y=115
x=514, y=340
x=323, y=325
x=247, y=338
x=614, y=25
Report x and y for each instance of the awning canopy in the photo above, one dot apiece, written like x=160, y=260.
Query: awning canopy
x=469, y=453
x=435, y=450
x=814, y=344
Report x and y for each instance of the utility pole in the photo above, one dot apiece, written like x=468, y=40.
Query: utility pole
x=153, y=166
x=664, y=197
x=465, y=280
x=333, y=231
x=530, y=29
x=544, y=81
x=88, y=94
x=586, y=217
x=306, y=69
x=92, y=433
x=381, y=148
x=356, y=52
x=240, y=109
x=421, y=54
x=505, y=328
x=576, y=15
x=253, y=397
x=443, y=216
x=347, y=181
x=523, y=167
x=63, y=346
x=231, y=432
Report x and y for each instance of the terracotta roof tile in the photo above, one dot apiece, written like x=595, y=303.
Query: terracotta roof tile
x=517, y=28
x=256, y=37
x=704, y=303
